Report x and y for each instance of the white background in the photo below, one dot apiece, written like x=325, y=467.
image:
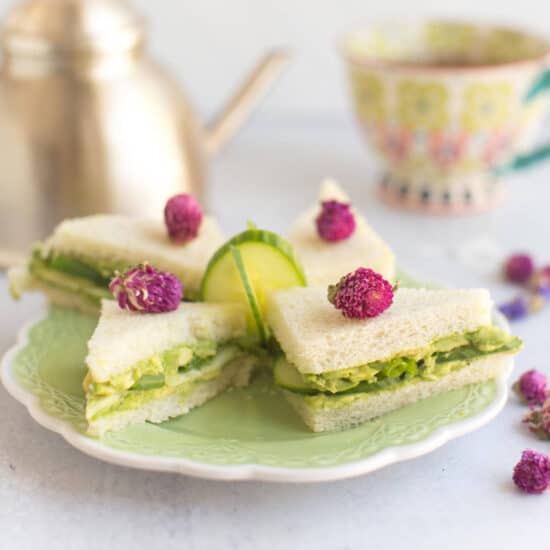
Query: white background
x=210, y=44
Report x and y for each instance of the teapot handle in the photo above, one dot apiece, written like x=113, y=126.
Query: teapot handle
x=239, y=107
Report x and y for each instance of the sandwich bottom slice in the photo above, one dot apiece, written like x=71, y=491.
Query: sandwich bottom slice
x=426, y=343
x=157, y=366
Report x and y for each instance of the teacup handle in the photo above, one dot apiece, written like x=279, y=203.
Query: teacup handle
x=541, y=84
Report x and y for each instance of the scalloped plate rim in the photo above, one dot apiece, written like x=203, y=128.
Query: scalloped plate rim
x=249, y=471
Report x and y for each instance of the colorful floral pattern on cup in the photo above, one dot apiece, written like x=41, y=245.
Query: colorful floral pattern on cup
x=369, y=95
x=473, y=195
x=447, y=149
x=423, y=105
x=487, y=106
x=440, y=153
x=440, y=113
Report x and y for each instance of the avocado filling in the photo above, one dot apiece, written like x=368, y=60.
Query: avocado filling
x=70, y=274
x=177, y=370
x=442, y=357
x=84, y=276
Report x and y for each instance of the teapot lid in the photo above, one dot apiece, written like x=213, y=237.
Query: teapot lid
x=37, y=27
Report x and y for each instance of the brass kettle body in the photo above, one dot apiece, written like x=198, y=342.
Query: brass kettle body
x=90, y=123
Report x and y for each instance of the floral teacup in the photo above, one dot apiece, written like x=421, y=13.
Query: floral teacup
x=449, y=106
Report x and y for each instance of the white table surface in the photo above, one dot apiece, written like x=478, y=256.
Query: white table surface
x=460, y=496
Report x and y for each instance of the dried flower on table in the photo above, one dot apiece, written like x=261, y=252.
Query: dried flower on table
x=538, y=420
x=531, y=387
x=518, y=268
x=532, y=472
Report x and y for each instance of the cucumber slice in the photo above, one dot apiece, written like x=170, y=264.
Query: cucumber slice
x=212, y=365
x=246, y=268
x=77, y=268
x=288, y=377
x=149, y=382
x=250, y=294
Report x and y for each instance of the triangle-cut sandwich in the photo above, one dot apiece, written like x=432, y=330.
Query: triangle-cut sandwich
x=151, y=367
x=339, y=372
x=74, y=266
x=332, y=238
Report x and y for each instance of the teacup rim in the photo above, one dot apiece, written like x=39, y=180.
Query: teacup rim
x=344, y=49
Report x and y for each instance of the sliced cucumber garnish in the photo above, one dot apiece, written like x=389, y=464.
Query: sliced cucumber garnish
x=246, y=268
x=149, y=382
x=288, y=377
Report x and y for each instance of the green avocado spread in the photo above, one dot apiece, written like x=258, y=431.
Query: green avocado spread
x=177, y=370
x=440, y=358
x=84, y=276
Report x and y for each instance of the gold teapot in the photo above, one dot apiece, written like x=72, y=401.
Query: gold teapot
x=89, y=123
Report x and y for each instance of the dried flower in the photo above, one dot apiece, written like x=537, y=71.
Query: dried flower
x=147, y=290
x=183, y=217
x=538, y=420
x=518, y=268
x=363, y=293
x=531, y=387
x=518, y=308
x=335, y=221
x=532, y=472
x=535, y=302
x=539, y=281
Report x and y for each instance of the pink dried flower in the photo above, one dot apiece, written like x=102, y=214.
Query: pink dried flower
x=147, y=290
x=335, y=221
x=363, y=293
x=538, y=420
x=183, y=217
x=518, y=268
x=532, y=387
x=532, y=472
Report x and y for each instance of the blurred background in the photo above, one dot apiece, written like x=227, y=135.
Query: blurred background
x=210, y=44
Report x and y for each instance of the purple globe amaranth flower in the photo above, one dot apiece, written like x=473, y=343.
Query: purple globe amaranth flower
x=518, y=268
x=518, y=308
x=183, y=217
x=361, y=294
x=532, y=472
x=147, y=290
x=531, y=387
x=538, y=421
x=335, y=222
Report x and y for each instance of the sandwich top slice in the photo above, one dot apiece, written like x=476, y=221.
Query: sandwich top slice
x=339, y=372
x=74, y=266
x=326, y=262
x=151, y=367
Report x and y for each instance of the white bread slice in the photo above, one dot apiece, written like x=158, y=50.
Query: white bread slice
x=237, y=375
x=325, y=263
x=368, y=406
x=317, y=338
x=129, y=241
x=122, y=338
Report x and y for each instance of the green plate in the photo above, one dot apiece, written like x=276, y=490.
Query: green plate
x=243, y=434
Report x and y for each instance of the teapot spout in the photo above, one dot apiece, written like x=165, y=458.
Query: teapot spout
x=241, y=105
